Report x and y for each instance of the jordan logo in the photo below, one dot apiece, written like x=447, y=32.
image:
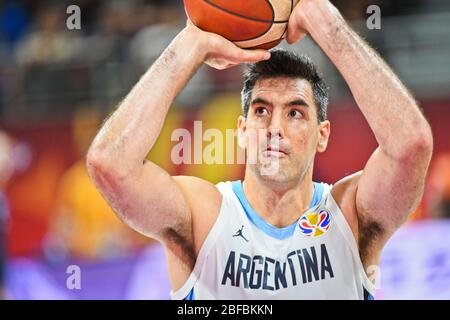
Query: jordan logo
x=239, y=234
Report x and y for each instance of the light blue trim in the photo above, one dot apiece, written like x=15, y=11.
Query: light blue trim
x=277, y=233
x=190, y=296
x=317, y=197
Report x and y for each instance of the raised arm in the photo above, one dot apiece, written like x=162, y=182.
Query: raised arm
x=141, y=193
x=391, y=185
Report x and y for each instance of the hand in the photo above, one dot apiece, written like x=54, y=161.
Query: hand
x=304, y=12
x=221, y=53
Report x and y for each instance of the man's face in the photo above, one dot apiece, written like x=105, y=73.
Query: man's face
x=282, y=130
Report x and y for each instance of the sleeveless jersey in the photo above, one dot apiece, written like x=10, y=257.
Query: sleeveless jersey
x=244, y=257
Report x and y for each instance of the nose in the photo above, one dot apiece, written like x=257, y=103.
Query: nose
x=275, y=128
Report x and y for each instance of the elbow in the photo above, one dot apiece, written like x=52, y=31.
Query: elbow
x=420, y=145
x=109, y=184
x=96, y=167
x=106, y=178
x=94, y=163
x=101, y=167
x=424, y=141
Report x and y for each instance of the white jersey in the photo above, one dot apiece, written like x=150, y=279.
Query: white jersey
x=244, y=257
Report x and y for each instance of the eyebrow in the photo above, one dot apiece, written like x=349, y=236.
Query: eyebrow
x=260, y=101
x=296, y=102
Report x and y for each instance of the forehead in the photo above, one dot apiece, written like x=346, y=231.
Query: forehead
x=284, y=87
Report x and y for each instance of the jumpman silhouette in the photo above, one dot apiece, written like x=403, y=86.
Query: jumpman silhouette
x=239, y=234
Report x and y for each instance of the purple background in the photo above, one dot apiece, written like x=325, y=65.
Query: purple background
x=415, y=265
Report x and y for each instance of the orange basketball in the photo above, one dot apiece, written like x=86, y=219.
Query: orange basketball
x=248, y=23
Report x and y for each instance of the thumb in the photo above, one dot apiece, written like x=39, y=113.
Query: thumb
x=295, y=33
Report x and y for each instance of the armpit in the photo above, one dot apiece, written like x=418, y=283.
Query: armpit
x=370, y=234
x=181, y=246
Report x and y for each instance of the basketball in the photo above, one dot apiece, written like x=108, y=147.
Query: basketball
x=250, y=24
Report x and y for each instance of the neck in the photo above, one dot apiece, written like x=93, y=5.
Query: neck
x=279, y=204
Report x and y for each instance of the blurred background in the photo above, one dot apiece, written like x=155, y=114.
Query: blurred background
x=57, y=86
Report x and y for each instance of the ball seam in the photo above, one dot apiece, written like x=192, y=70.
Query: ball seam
x=245, y=17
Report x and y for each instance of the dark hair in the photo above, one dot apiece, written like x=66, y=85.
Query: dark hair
x=285, y=63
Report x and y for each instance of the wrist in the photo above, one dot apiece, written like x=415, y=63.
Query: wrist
x=319, y=12
x=192, y=40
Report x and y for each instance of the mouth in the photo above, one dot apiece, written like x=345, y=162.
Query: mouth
x=276, y=152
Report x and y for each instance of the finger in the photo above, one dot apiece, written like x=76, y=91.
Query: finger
x=220, y=66
x=251, y=55
x=230, y=65
x=295, y=36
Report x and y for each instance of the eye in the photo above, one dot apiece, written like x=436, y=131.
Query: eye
x=295, y=114
x=261, y=111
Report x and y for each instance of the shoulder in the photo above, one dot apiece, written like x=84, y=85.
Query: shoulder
x=344, y=193
x=204, y=200
x=363, y=228
x=199, y=193
x=189, y=183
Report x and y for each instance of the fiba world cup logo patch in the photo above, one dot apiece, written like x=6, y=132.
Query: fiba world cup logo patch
x=315, y=224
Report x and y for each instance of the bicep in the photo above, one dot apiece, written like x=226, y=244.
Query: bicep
x=150, y=201
x=389, y=190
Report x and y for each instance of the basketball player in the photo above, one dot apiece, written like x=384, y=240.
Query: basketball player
x=279, y=235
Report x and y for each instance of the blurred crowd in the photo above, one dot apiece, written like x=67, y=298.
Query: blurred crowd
x=47, y=69
x=28, y=27
x=49, y=73
x=36, y=31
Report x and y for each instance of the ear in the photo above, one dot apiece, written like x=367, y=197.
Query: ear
x=242, y=127
x=324, y=135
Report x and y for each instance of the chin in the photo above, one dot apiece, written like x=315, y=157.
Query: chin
x=274, y=175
